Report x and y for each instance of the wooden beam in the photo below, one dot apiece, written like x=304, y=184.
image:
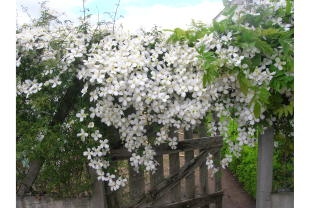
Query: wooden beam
x=198, y=201
x=170, y=181
x=185, y=145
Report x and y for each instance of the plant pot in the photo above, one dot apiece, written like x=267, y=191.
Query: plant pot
x=282, y=198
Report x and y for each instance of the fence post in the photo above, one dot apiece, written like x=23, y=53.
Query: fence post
x=114, y=198
x=174, y=166
x=264, y=169
x=190, y=179
x=98, y=198
x=136, y=183
x=203, y=169
x=217, y=156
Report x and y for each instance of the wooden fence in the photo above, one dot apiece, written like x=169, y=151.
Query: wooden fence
x=162, y=188
x=161, y=191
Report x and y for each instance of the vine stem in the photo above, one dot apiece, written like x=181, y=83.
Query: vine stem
x=117, y=5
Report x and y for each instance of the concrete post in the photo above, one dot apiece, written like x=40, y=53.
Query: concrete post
x=265, y=169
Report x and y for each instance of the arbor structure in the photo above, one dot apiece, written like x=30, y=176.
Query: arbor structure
x=88, y=90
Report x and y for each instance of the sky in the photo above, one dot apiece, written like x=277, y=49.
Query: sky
x=167, y=14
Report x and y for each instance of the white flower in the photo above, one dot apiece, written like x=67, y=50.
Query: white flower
x=81, y=115
x=90, y=125
x=82, y=135
x=279, y=63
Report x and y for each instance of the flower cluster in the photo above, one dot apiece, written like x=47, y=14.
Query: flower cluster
x=155, y=81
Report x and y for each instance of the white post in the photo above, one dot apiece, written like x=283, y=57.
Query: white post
x=265, y=169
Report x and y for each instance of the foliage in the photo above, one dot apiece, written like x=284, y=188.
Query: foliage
x=245, y=166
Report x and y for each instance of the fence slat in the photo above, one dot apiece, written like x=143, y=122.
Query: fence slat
x=136, y=183
x=174, y=166
x=203, y=169
x=156, y=179
x=114, y=198
x=190, y=179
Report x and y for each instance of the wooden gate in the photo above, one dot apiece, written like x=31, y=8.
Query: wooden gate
x=171, y=185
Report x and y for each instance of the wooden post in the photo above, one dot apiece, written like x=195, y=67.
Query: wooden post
x=265, y=169
x=98, y=191
x=136, y=183
x=217, y=176
x=203, y=169
x=156, y=179
x=190, y=179
x=114, y=198
x=174, y=166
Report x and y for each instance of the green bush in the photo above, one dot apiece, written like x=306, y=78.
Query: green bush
x=245, y=167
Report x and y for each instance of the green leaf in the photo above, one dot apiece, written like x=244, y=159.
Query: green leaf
x=256, y=59
x=225, y=2
x=204, y=80
x=246, y=37
x=202, y=49
x=206, y=65
x=222, y=28
x=263, y=98
x=280, y=113
x=264, y=47
x=168, y=30
x=171, y=38
x=286, y=46
x=241, y=19
x=257, y=110
x=208, y=54
x=234, y=27
x=285, y=112
x=288, y=7
x=290, y=109
x=232, y=9
x=179, y=33
x=246, y=81
x=243, y=87
x=210, y=59
x=276, y=85
x=269, y=31
x=244, y=45
x=235, y=69
x=252, y=44
x=200, y=57
x=216, y=25
x=281, y=12
x=252, y=100
x=264, y=91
